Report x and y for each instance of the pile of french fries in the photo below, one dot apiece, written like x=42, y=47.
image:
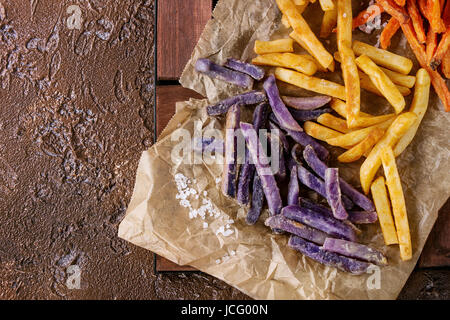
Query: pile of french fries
x=377, y=138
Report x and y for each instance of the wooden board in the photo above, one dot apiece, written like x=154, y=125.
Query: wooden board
x=179, y=26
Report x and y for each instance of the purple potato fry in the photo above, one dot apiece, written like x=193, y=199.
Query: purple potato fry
x=318, y=185
x=355, y=250
x=305, y=115
x=247, y=98
x=334, y=196
x=362, y=217
x=306, y=103
x=246, y=173
x=257, y=200
x=314, y=162
x=261, y=163
x=280, y=172
x=327, y=224
x=216, y=71
x=253, y=71
x=208, y=145
x=281, y=135
x=309, y=204
x=327, y=258
x=297, y=153
x=230, y=167
x=293, y=188
x=281, y=223
x=279, y=109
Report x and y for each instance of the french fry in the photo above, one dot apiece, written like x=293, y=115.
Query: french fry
x=304, y=33
x=393, y=134
x=441, y=50
x=446, y=14
x=445, y=65
x=436, y=23
x=422, y=4
x=361, y=148
x=417, y=20
x=319, y=132
x=401, y=3
x=368, y=85
x=438, y=83
x=338, y=124
x=285, y=21
x=348, y=65
x=431, y=44
x=352, y=138
x=329, y=21
x=398, y=203
x=364, y=122
x=383, y=58
x=382, y=82
x=381, y=200
x=394, y=10
x=281, y=45
x=397, y=78
x=367, y=15
x=318, y=85
x=327, y=5
x=297, y=62
x=300, y=2
x=341, y=109
x=419, y=106
x=388, y=32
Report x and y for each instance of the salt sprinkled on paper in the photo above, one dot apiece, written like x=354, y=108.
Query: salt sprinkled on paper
x=206, y=208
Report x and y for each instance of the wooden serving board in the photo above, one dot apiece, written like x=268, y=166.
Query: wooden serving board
x=179, y=26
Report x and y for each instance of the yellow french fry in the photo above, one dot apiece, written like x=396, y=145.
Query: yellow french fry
x=304, y=32
x=356, y=136
x=361, y=148
x=319, y=132
x=419, y=106
x=338, y=124
x=326, y=5
x=318, y=85
x=368, y=85
x=364, y=122
x=298, y=62
x=393, y=134
x=280, y=45
x=329, y=21
x=383, y=58
x=382, y=82
x=300, y=2
x=397, y=78
x=341, y=109
x=285, y=21
x=383, y=207
x=398, y=202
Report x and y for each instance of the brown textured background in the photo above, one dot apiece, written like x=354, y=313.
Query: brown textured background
x=77, y=107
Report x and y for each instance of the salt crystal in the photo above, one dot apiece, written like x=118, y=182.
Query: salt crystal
x=217, y=261
x=205, y=225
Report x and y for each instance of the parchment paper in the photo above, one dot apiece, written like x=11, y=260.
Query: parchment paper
x=263, y=266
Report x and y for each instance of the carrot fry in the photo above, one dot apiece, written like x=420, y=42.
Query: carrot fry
x=445, y=65
x=388, y=32
x=394, y=10
x=417, y=20
x=436, y=23
x=438, y=82
x=431, y=44
x=367, y=15
x=401, y=3
x=423, y=8
x=441, y=50
x=446, y=14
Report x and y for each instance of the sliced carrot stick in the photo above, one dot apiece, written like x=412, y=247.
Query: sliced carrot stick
x=394, y=10
x=388, y=32
x=438, y=82
x=367, y=15
x=417, y=20
x=441, y=50
x=431, y=44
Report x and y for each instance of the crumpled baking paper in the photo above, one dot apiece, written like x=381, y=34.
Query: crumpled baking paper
x=252, y=259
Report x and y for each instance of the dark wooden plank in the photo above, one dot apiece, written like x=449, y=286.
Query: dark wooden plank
x=436, y=252
x=166, y=97
x=180, y=24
